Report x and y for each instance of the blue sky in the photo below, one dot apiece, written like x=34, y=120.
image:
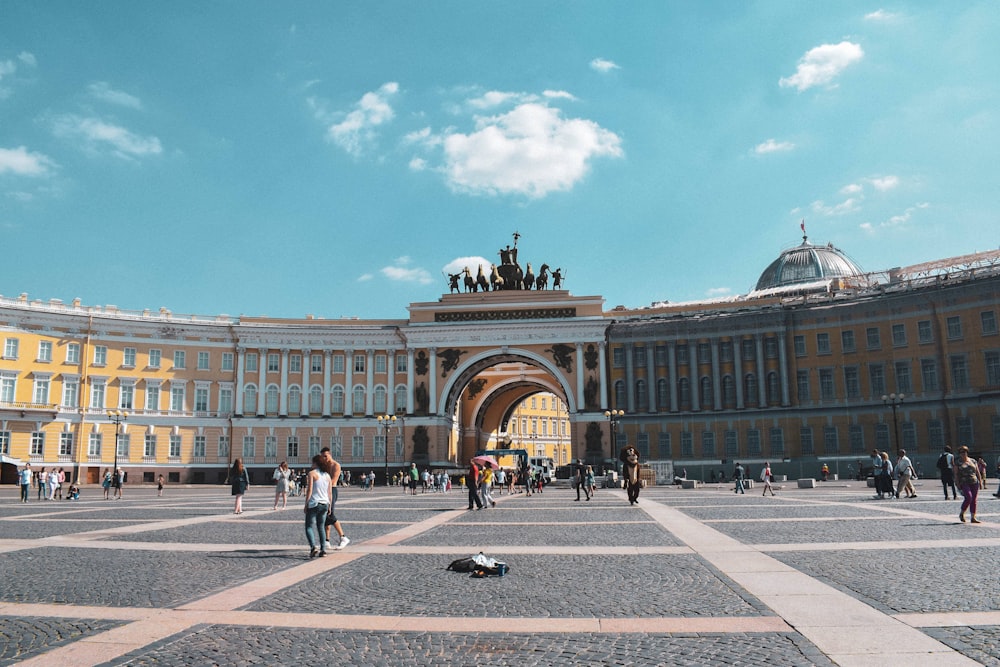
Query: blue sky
x=334, y=158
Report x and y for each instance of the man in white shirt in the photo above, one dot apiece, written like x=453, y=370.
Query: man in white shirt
x=904, y=471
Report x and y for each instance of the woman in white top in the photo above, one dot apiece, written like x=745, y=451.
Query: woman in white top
x=281, y=476
x=317, y=506
x=765, y=476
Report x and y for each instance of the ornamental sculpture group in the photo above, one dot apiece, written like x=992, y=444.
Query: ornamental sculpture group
x=507, y=276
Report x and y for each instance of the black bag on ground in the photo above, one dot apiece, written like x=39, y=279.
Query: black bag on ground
x=462, y=565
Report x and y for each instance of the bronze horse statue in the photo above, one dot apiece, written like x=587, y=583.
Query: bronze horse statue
x=542, y=281
x=481, y=280
x=470, y=283
x=496, y=280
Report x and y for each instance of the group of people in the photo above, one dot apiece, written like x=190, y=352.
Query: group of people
x=740, y=478
x=115, y=480
x=49, y=484
x=968, y=474
x=429, y=482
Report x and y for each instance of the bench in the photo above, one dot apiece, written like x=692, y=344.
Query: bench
x=690, y=484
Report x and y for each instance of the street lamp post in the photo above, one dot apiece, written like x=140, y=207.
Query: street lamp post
x=614, y=416
x=894, y=401
x=387, y=422
x=116, y=417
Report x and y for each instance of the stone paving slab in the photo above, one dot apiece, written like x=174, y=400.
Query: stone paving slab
x=119, y=578
x=981, y=643
x=250, y=531
x=488, y=534
x=847, y=530
x=537, y=586
x=522, y=512
x=274, y=646
x=781, y=511
x=26, y=637
x=925, y=580
x=41, y=528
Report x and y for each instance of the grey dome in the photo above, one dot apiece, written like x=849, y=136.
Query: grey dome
x=807, y=263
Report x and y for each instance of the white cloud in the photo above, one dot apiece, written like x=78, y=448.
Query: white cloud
x=559, y=95
x=852, y=189
x=7, y=67
x=897, y=220
x=822, y=64
x=473, y=262
x=602, y=65
x=884, y=183
x=365, y=277
x=357, y=129
x=102, y=90
x=849, y=205
x=418, y=164
x=773, y=146
x=98, y=135
x=530, y=150
x=494, y=98
x=401, y=271
x=27, y=58
x=880, y=15
x=719, y=291
x=21, y=162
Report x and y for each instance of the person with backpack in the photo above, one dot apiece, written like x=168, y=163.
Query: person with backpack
x=946, y=464
x=739, y=475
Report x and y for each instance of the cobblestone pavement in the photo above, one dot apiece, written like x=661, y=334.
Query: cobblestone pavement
x=688, y=577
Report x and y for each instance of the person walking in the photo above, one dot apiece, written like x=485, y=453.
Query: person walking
x=159, y=486
x=486, y=486
x=946, y=465
x=53, y=483
x=317, y=505
x=43, y=482
x=24, y=479
x=472, y=482
x=106, y=484
x=904, y=471
x=765, y=476
x=738, y=476
x=281, y=477
x=118, y=482
x=580, y=481
x=414, y=478
x=333, y=469
x=239, y=479
x=969, y=480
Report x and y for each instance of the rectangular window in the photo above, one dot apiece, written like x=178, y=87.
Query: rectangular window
x=642, y=444
x=45, y=350
x=5, y=442
x=928, y=374
x=292, y=447
x=203, y=361
x=123, y=442
x=732, y=444
x=800, y=346
x=827, y=391
x=992, y=369
x=882, y=436
x=270, y=446
x=225, y=400
x=315, y=444
x=935, y=433
x=856, y=437
x=358, y=446
x=925, y=334
x=708, y=444
x=180, y=359
x=660, y=355
x=201, y=399
x=847, y=341
x=618, y=357
x=898, y=335
x=97, y=394
x=954, y=327
x=753, y=442
x=177, y=398
x=959, y=372
x=8, y=385
x=223, y=448
x=771, y=347
x=10, y=348
x=988, y=321
x=777, y=442
x=359, y=363
x=227, y=361
x=65, y=444
x=381, y=363
x=336, y=446
x=663, y=445
x=249, y=447
x=831, y=444
x=725, y=352
x=273, y=362
x=250, y=363
x=802, y=382
x=704, y=353
x=100, y=355
x=876, y=378
x=126, y=397
x=73, y=353
x=965, y=433
x=823, y=343
x=995, y=423
x=379, y=444
x=852, y=388
x=174, y=447
x=153, y=397
x=149, y=445
x=903, y=383
x=873, y=338
x=401, y=363
x=908, y=432
x=338, y=363
x=37, y=446
x=749, y=351
x=128, y=357
x=40, y=394
x=71, y=393
x=806, y=440
x=687, y=445
x=198, y=449
x=295, y=363
x=155, y=358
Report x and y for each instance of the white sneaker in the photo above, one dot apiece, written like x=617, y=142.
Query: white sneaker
x=344, y=541
x=327, y=545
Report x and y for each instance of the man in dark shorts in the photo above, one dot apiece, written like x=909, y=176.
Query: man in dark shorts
x=333, y=470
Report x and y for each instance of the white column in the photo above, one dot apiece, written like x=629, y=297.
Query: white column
x=629, y=378
x=390, y=374
x=433, y=390
x=327, y=386
x=651, y=376
x=240, y=362
x=262, y=383
x=370, y=382
x=738, y=370
x=672, y=374
x=695, y=382
x=783, y=370
x=306, y=368
x=283, y=391
x=602, y=364
x=716, y=376
x=761, y=371
x=581, y=403
x=348, y=382
x=409, y=380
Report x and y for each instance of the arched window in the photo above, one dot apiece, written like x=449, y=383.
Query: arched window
x=271, y=399
x=358, y=399
x=663, y=394
x=706, y=393
x=250, y=399
x=684, y=393
x=640, y=395
x=773, y=389
x=750, y=389
x=619, y=395
x=315, y=400
x=380, y=396
x=337, y=399
x=294, y=400
x=728, y=392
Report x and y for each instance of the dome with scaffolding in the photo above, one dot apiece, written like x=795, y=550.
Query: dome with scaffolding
x=808, y=267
